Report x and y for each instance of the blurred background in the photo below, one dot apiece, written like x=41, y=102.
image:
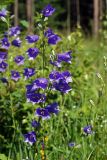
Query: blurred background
x=89, y=14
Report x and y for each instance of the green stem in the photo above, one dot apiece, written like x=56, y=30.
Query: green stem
x=43, y=54
x=13, y=125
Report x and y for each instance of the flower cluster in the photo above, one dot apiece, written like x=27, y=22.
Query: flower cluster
x=37, y=91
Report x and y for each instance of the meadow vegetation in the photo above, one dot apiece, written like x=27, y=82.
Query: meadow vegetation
x=77, y=129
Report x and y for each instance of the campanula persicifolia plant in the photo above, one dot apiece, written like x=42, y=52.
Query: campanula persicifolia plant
x=35, y=84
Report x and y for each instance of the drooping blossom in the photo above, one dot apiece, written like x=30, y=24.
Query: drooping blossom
x=32, y=53
x=67, y=76
x=3, y=55
x=3, y=13
x=48, y=10
x=64, y=57
x=35, y=97
x=43, y=113
x=14, y=31
x=29, y=72
x=15, y=75
x=30, y=137
x=56, y=63
x=30, y=89
x=61, y=86
x=52, y=108
x=3, y=66
x=32, y=38
x=88, y=129
x=40, y=83
x=5, y=43
x=55, y=76
x=4, y=80
x=16, y=42
x=54, y=39
x=35, y=124
x=48, y=33
x=19, y=60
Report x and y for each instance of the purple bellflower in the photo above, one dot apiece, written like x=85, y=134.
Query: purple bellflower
x=48, y=33
x=15, y=75
x=32, y=38
x=40, y=83
x=14, y=31
x=48, y=10
x=52, y=108
x=35, y=97
x=29, y=72
x=67, y=76
x=66, y=57
x=19, y=60
x=4, y=80
x=3, y=56
x=3, y=13
x=88, y=129
x=30, y=137
x=71, y=144
x=54, y=39
x=5, y=43
x=32, y=53
x=55, y=76
x=55, y=63
x=61, y=86
x=35, y=124
x=30, y=89
x=16, y=42
x=3, y=66
x=43, y=113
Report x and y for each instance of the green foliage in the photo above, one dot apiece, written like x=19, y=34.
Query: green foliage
x=103, y=30
x=5, y=2
x=24, y=23
x=3, y=157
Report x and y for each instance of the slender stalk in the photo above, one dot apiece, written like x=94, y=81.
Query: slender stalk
x=43, y=53
x=14, y=127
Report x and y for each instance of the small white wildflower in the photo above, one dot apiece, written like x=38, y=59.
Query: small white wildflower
x=69, y=38
x=92, y=102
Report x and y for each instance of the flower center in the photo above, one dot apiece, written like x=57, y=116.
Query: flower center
x=47, y=11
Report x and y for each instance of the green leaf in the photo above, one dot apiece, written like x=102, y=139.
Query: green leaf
x=24, y=23
x=3, y=157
